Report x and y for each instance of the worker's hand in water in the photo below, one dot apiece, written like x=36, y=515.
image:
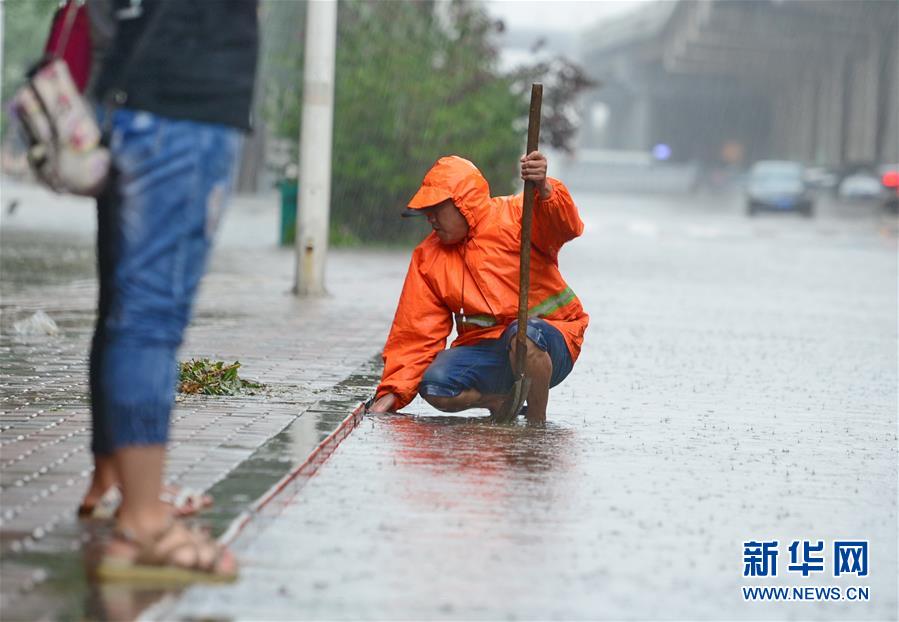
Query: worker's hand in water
x=533, y=168
x=383, y=404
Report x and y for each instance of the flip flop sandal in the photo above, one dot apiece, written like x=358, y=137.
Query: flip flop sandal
x=159, y=565
x=186, y=501
x=105, y=508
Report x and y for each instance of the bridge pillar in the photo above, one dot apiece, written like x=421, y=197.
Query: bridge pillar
x=829, y=150
x=888, y=111
x=804, y=119
x=780, y=126
x=630, y=122
x=861, y=131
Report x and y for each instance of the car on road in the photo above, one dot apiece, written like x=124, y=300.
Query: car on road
x=863, y=186
x=858, y=182
x=778, y=185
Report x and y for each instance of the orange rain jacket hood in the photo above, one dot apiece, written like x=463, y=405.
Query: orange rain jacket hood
x=475, y=282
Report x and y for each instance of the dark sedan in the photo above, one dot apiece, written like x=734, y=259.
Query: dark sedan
x=776, y=185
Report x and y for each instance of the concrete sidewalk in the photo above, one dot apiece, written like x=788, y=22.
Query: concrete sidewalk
x=300, y=349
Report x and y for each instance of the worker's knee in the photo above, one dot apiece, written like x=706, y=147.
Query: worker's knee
x=532, y=347
x=547, y=350
x=539, y=361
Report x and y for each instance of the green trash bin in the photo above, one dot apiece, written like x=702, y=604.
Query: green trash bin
x=288, y=189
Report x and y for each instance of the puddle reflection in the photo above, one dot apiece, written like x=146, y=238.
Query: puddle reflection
x=453, y=461
x=477, y=444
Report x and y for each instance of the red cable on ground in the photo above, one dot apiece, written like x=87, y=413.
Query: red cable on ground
x=306, y=469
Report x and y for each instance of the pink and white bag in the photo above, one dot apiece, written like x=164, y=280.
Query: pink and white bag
x=64, y=139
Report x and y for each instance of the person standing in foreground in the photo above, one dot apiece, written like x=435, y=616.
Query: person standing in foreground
x=179, y=77
x=467, y=270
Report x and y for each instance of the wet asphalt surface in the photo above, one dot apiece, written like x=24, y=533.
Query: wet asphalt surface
x=738, y=382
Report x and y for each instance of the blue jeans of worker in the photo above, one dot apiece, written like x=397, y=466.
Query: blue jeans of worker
x=485, y=365
x=155, y=226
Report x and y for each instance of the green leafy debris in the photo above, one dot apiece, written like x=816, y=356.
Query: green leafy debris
x=202, y=376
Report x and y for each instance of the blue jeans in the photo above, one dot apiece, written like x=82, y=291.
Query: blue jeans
x=485, y=365
x=155, y=226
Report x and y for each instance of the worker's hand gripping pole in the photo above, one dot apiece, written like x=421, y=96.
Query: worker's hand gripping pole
x=527, y=216
x=522, y=382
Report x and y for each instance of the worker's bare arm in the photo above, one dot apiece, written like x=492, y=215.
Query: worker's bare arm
x=383, y=404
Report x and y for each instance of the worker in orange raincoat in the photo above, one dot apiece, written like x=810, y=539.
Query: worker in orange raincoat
x=466, y=271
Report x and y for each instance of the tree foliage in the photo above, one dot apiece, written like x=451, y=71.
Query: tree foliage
x=412, y=84
x=563, y=81
x=417, y=91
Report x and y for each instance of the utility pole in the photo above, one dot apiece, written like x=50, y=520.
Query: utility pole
x=314, y=196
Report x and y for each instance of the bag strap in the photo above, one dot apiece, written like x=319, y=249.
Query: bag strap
x=71, y=9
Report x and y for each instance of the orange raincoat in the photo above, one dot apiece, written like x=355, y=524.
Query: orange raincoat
x=475, y=282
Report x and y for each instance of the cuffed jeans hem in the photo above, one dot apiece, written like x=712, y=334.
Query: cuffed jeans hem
x=485, y=365
x=431, y=389
x=139, y=424
x=535, y=333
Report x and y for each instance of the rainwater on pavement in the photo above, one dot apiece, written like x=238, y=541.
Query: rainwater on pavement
x=737, y=383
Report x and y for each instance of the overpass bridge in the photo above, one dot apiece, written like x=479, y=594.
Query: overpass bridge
x=811, y=80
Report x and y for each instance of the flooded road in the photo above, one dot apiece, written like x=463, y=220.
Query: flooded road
x=737, y=383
